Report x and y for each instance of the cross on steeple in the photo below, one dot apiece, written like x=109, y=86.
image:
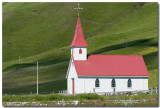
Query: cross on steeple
x=78, y=9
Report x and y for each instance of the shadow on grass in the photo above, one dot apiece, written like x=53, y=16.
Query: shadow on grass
x=118, y=46
x=44, y=88
x=33, y=64
x=151, y=60
x=43, y=62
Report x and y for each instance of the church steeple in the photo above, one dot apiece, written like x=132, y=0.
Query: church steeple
x=78, y=40
x=79, y=45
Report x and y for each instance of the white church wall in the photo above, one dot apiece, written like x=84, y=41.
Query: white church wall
x=87, y=85
x=138, y=83
x=145, y=82
x=78, y=56
x=71, y=74
x=81, y=83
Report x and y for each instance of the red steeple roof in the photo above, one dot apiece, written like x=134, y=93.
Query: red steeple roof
x=78, y=39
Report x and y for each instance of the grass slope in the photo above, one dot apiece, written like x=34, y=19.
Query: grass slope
x=43, y=32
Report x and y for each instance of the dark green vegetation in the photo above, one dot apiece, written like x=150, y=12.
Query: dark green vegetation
x=86, y=99
x=43, y=32
x=50, y=97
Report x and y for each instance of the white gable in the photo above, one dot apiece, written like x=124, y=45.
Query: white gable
x=71, y=74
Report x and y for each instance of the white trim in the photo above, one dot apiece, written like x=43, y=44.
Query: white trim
x=129, y=87
x=73, y=78
x=69, y=67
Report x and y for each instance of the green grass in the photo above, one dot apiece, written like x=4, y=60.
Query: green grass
x=44, y=88
x=43, y=32
x=82, y=99
x=55, y=97
x=51, y=97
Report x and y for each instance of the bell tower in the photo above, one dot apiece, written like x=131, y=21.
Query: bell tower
x=79, y=45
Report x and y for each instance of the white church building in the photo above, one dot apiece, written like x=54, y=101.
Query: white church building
x=103, y=73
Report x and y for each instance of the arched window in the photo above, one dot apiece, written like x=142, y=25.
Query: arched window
x=97, y=83
x=113, y=83
x=129, y=83
x=80, y=51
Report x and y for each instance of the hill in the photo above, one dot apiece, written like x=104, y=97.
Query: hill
x=43, y=32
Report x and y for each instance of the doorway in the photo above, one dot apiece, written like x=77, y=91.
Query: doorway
x=73, y=86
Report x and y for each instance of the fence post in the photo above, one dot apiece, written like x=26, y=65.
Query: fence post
x=151, y=90
x=130, y=102
x=114, y=90
x=94, y=91
x=37, y=77
x=156, y=90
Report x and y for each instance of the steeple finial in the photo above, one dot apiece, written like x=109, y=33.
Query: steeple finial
x=78, y=9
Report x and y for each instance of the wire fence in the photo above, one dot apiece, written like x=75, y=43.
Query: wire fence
x=150, y=91
x=63, y=92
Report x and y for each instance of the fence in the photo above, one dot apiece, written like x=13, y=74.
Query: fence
x=128, y=92
x=65, y=92
x=150, y=91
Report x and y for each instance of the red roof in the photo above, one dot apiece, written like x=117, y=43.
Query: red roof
x=112, y=65
x=78, y=39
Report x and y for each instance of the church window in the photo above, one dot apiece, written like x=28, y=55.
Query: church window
x=80, y=51
x=97, y=83
x=113, y=83
x=129, y=83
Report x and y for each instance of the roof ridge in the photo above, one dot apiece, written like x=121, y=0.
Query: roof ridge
x=77, y=29
x=112, y=55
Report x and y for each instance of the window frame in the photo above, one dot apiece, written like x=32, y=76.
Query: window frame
x=97, y=84
x=113, y=83
x=129, y=83
x=80, y=51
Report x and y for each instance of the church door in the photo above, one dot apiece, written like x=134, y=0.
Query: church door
x=72, y=86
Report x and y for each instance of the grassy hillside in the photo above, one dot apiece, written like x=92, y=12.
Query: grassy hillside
x=43, y=32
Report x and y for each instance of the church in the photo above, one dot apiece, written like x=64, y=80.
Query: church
x=103, y=73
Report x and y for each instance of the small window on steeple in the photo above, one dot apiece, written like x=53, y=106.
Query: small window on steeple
x=80, y=51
